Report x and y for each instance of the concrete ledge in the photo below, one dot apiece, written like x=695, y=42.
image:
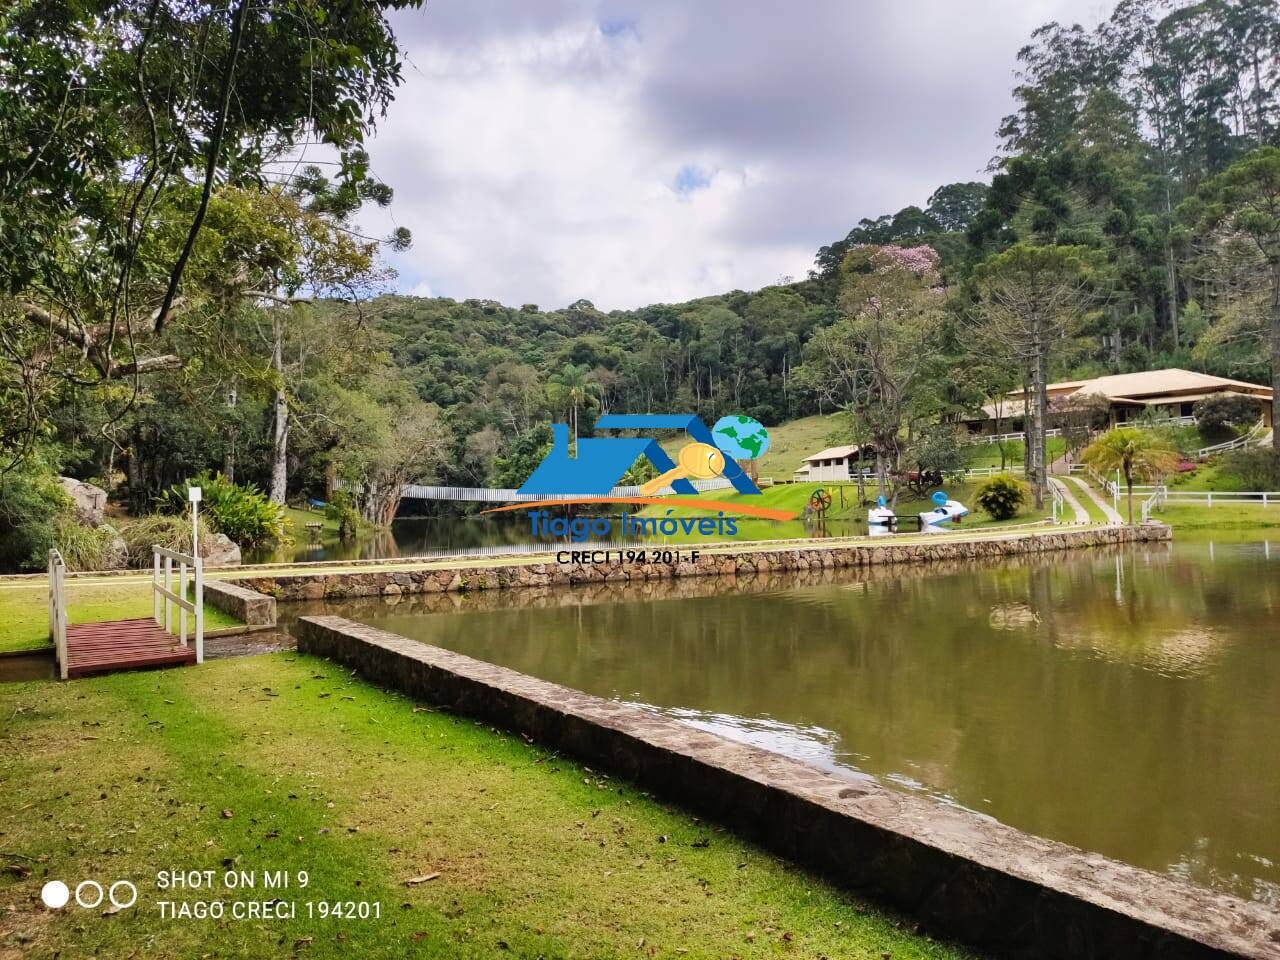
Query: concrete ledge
x=251, y=608
x=964, y=876
x=720, y=560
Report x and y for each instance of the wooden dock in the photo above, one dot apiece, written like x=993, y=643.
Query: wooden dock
x=123, y=645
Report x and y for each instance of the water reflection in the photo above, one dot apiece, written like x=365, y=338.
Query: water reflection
x=1124, y=701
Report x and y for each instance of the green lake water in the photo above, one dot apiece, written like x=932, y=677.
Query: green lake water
x=1125, y=701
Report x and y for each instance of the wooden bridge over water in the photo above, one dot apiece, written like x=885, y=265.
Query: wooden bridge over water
x=85, y=648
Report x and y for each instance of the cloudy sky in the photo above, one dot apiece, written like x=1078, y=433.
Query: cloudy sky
x=640, y=151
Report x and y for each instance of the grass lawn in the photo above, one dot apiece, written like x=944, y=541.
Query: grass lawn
x=298, y=520
x=1206, y=476
x=988, y=454
x=1228, y=516
x=24, y=609
x=284, y=762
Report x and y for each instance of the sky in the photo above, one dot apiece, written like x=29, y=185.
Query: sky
x=651, y=151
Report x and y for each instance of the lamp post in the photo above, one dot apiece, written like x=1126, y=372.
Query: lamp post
x=194, y=494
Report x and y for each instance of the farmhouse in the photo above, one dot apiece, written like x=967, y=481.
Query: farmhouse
x=834, y=463
x=1171, y=393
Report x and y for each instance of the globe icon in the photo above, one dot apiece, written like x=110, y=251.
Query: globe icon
x=741, y=437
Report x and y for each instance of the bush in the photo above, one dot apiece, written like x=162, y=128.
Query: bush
x=31, y=505
x=1002, y=496
x=1258, y=468
x=243, y=513
x=86, y=548
x=171, y=532
x=342, y=511
x=1219, y=416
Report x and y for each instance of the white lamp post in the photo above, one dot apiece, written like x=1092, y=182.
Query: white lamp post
x=194, y=494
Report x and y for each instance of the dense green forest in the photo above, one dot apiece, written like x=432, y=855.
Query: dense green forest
x=179, y=297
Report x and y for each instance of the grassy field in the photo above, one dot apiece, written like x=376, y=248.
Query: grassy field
x=988, y=454
x=298, y=520
x=473, y=843
x=1243, y=516
x=24, y=611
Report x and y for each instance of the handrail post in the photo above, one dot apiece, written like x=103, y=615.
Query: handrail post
x=199, y=609
x=155, y=582
x=182, y=610
x=168, y=586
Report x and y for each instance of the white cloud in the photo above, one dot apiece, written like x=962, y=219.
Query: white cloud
x=540, y=160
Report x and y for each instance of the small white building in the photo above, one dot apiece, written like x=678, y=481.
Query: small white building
x=834, y=463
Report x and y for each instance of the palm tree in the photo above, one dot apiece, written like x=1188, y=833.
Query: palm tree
x=577, y=389
x=1135, y=453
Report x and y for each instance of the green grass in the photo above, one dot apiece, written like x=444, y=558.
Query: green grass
x=1207, y=476
x=299, y=518
x=988, y=454
x=1233, y=516
x=285, y=762
x=24, y=611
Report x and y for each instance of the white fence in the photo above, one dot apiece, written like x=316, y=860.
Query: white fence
x=1255, y=436
x=1003, y=437
x=1208, y=498
x=58, y=610
x=163, y=595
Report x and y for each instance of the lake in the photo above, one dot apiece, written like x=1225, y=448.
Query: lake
x=1125, y=701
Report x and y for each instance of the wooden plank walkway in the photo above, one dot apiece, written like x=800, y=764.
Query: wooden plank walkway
x=123, y=645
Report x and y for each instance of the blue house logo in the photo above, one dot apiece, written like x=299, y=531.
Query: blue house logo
x=602, y=461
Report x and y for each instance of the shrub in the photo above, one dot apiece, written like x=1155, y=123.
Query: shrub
x=243, y=513
x=1220, y=414
x=31, y=505
x=85, y=548
x=173, y=532
x=1002, y=496
x=342, y=511
x=1258, y=468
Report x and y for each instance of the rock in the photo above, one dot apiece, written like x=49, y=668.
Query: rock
x=220, y=551
x=90, y=502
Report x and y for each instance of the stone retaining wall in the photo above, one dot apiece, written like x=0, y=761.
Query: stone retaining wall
x=250, y=607
x=962, y=875
x=812, y=555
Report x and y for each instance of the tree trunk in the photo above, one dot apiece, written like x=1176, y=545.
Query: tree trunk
x=1275, y=348
x=1171, y=285
x=229, y=459
x=280, y=449
x=1039, y=408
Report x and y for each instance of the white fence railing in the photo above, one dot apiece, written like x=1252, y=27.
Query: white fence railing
x=1209, y=498
x=58, y=610
x=1254, y=436
x=163, y=594
x=993, y=471
x=1003, y=437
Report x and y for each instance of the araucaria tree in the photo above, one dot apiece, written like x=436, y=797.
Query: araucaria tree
x=884, y=352
x=1031, y=298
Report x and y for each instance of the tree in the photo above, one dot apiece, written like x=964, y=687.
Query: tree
x=882, y=357
x=1244, y=201
x=118, y=121
x=575, y=388
x=1030, y=300
x=1135, y=453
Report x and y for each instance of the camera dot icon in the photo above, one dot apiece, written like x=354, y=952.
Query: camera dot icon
x=55, y=894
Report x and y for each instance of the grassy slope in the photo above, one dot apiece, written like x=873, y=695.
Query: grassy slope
x=284, y=762
x=24, y=611
x=298, y=520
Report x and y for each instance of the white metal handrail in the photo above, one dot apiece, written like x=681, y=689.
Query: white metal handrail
x=58, y=610
x=1255, y=433
x=162, y=593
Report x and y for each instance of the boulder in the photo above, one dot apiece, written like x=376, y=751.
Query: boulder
x=220, y=551
x=90, y=502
